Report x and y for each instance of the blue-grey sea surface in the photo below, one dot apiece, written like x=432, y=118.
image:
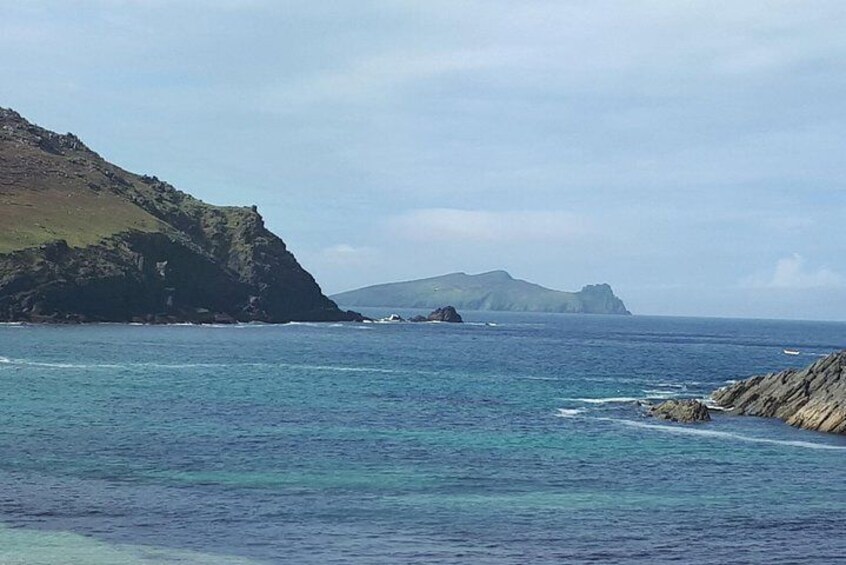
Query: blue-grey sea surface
x=509, y=439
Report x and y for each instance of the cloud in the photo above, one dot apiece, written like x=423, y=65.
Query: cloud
x=450, y=224
x=792, y=273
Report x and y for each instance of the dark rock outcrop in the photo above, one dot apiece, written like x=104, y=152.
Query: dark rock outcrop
x=682, y=411
x=83, y=240
x=444, y=314
x=812, y=398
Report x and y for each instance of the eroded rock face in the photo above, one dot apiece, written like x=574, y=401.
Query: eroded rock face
x=813, y=398
x=682, y=411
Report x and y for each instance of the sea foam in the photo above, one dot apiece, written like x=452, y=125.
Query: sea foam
x=609, y=400
x=657, y=393
x=678, y=430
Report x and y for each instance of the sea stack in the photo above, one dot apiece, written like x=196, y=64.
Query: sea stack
x=813, y=398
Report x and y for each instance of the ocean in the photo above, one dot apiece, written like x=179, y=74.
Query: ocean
x=514, y=438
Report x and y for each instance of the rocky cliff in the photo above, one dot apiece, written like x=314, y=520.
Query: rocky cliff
x=813, y=398
x=496, y=290
x=84, y=240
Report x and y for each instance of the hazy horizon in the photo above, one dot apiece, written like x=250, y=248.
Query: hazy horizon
x=690, y=155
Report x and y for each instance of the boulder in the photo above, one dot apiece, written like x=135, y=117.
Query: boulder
x=682, y=411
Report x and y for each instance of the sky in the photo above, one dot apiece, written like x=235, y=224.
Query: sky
x=690, y=153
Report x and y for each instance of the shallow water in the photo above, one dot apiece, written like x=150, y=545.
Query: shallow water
x=408, y=443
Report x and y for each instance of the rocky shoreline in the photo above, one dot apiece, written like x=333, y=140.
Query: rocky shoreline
x=813, y=398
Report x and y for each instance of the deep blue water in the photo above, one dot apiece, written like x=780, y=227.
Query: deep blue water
x=408, y=443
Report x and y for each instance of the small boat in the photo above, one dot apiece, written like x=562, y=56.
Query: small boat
x=791, y=352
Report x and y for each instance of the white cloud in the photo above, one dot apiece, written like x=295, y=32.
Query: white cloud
x=450, y=224
x=792, y=273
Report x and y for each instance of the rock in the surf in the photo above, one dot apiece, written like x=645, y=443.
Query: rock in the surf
x=813, y=398
x=682, y=411
x=445, y=314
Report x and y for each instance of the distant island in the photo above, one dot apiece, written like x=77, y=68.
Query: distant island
x=496, y=290
x=82, y=240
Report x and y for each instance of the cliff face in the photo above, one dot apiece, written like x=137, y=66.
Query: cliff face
x=812, y=398
x=496, y=290
x=83, y=240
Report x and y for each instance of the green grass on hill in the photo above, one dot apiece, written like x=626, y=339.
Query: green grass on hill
x=81, y=217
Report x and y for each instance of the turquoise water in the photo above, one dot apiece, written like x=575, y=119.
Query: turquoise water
x=408, y=443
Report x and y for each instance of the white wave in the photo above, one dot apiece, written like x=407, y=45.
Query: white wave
x=27, y=363
x=670, y=385
x=176, y=366
x=712, y=404
x=610, y=400
x=61, y=365
x=341, y=369
x=657, y=393
x=538, y=378
x=180, y=365
x=49, y=365
x=569, y=412
x=679, y=430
